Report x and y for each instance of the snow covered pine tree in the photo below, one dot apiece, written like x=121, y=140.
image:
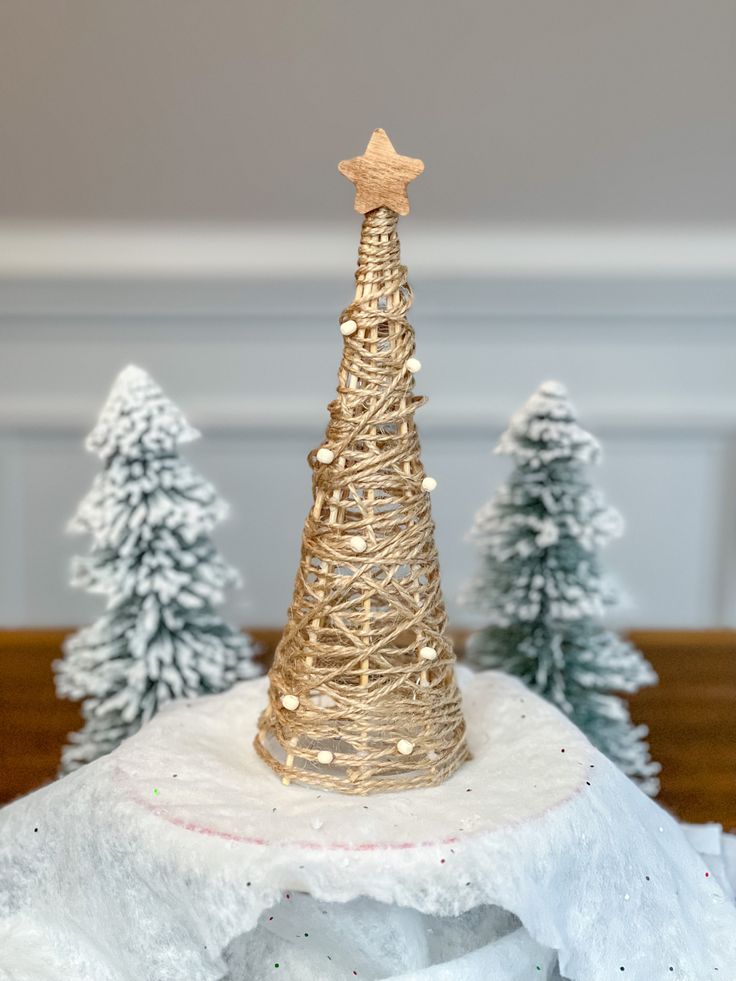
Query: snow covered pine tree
x=150, y=516
x=541, y=586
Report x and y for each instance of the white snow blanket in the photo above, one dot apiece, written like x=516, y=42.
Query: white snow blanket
x=181, y=857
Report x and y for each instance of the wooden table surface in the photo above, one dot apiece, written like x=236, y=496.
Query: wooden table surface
x=691, y=715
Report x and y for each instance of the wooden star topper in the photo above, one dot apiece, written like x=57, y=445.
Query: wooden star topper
x=381, y=175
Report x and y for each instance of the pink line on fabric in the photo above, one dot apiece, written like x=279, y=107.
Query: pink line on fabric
x=364, y=846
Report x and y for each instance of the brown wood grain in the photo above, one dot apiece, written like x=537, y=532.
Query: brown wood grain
x=691, y=715
x=381, y=175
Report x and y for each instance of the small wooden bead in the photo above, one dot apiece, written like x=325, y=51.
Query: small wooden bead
x=325, y=756
x=429, y=484
x=290, y=702
x=348, y=327
x=413, y=365
x=405, y=747
x=428, y=653
x=358, y=544
x=325, y=454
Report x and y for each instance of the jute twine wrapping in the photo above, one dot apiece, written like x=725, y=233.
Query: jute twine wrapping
x=351, y=648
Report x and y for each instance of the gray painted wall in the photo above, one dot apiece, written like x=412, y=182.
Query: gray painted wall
x=525, y=110
x=254, y=363
x=531, y=116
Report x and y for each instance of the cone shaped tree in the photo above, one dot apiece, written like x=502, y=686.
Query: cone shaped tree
x=362, y=692
x=150, y=516
x=542, y=587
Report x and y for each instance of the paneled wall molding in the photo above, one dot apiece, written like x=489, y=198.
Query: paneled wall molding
x=251, y=418
x=240, y=328
x=277, y=252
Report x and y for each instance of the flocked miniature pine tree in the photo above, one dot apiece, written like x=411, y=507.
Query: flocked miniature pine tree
x=150, y=516
x=542, y=588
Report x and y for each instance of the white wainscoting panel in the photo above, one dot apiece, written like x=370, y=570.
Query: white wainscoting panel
x=251, y=355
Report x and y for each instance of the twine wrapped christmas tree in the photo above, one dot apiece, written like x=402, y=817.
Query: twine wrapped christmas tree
x=362, y=694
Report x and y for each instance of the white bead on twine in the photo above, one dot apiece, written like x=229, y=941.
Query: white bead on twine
x=290, y=702
x=429, y=484
x=413, y=365
x=405, y=747
x=348, y=327
x=325, y=454
x=325, y=756
x=428, y=653
x=358, y=544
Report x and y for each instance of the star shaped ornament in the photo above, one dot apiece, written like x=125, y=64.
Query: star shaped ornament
x=381, y=176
